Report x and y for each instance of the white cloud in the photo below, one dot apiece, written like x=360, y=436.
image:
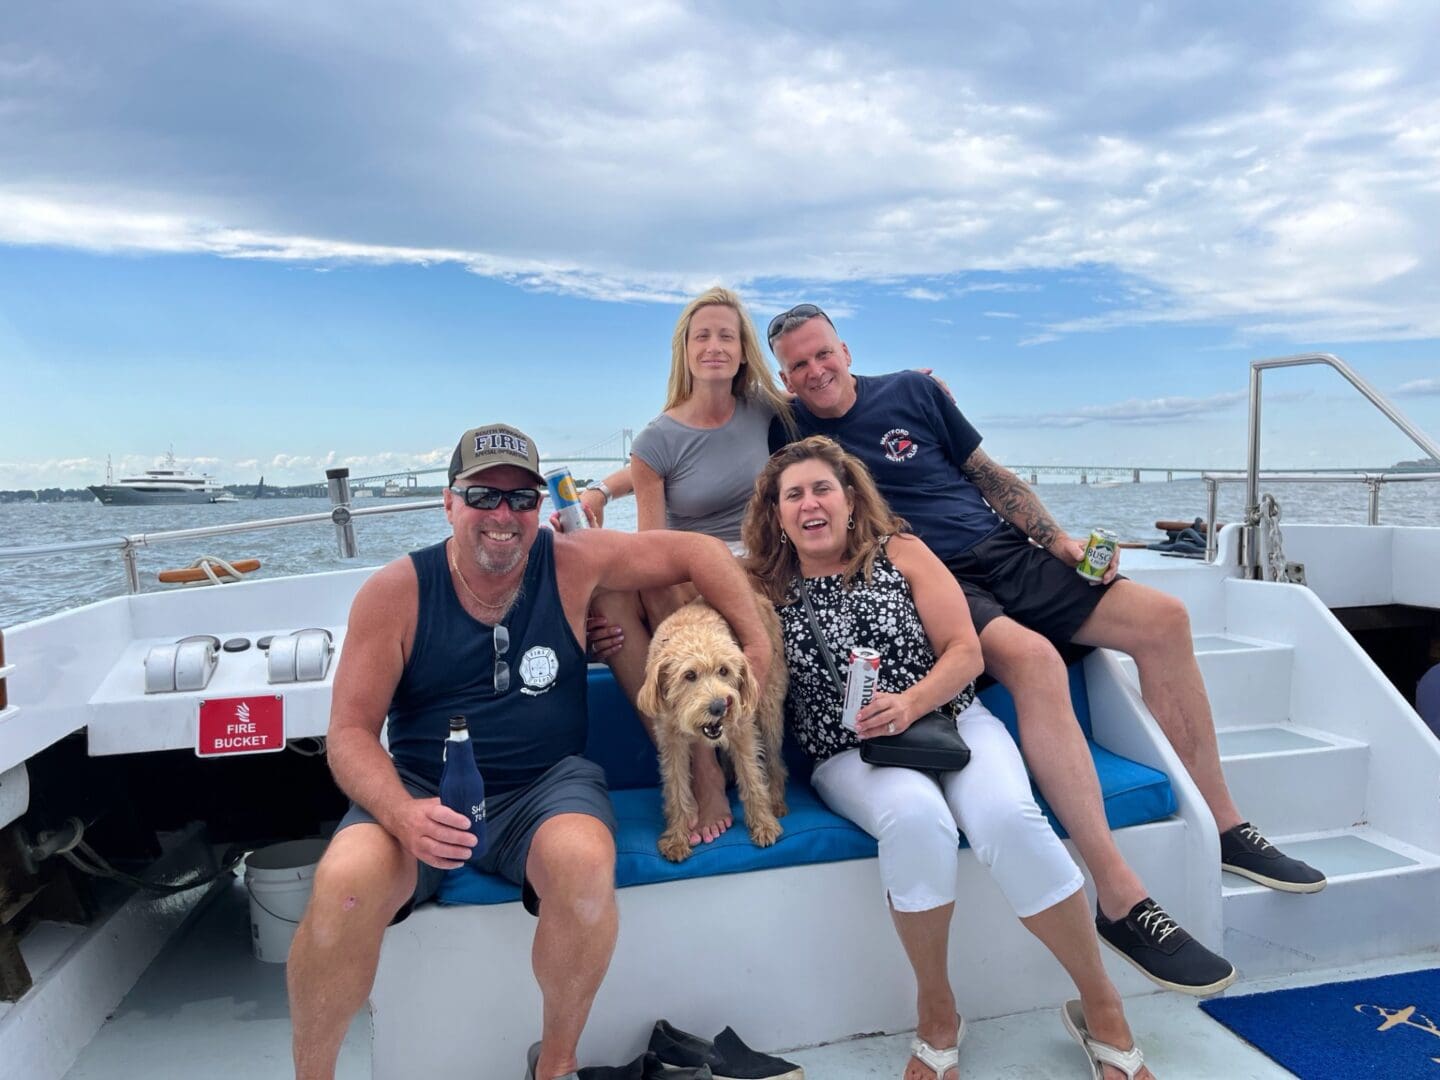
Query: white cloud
x=1000, y=315
x=1132, y=411
x=1418, y=387
x=1271, y=170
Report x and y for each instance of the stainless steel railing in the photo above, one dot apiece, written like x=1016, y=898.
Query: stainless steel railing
x=1250, y=536
x=1375, y=480
x=340, y=516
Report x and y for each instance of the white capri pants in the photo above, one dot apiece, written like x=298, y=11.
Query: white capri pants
x=914, y=816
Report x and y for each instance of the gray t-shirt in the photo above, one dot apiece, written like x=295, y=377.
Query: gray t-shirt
x=709, y=473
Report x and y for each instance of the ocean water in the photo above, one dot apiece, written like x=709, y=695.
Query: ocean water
x=32, y=588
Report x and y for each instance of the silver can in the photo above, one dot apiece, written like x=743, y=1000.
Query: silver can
x=566, y=500
x=1099, y=554
x=862, y=674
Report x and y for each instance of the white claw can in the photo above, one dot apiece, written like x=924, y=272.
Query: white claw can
x=861, y=675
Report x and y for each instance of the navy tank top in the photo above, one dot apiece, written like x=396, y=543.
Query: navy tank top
x=516, y=735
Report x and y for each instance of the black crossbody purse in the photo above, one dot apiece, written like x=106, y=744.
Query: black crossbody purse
x=930, y=743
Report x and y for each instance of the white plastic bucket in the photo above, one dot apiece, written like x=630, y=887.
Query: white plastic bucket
x=278, y=879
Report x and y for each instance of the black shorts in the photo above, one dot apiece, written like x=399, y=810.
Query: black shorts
x=1005, y=574
x=574, y=785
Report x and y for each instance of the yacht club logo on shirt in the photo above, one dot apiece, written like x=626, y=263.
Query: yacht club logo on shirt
x=898, y=444
x=538, y=669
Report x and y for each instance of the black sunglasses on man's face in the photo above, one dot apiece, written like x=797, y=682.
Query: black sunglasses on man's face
x=798, y=313
x=480, y=497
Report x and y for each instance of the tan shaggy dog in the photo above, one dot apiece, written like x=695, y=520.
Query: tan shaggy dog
x=699, y=690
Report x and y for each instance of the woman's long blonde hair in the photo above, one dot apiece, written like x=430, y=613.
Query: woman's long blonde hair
x=753, y=382
x=774, y=564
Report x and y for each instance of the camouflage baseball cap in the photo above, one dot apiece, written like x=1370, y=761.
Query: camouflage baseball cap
x=485, y=447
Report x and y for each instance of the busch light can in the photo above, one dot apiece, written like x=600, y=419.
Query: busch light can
x=1099, y=554
x=566, y=500
x=861, y=675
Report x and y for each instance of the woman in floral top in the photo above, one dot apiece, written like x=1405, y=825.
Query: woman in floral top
x=816, y=514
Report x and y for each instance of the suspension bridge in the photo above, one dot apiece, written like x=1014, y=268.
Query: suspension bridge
x=612, y=452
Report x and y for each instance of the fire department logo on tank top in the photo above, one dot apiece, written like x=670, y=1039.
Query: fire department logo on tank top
x=538, y=669
x=898, y=445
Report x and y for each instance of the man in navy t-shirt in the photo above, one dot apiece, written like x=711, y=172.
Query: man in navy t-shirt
x=1016, y=566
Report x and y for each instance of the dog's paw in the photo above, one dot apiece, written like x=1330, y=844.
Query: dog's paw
x=766, y=832
x=675, y=846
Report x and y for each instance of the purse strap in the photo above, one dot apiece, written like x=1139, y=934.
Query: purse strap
x=819, y=636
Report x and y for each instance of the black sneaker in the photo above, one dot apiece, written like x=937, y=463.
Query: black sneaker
x=1163, y=952
x=728, y=1057
x=1244, y=851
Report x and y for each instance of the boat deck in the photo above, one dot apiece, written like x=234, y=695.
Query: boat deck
x=206, y=1007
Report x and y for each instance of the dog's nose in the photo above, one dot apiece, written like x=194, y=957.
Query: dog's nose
x=717, y=707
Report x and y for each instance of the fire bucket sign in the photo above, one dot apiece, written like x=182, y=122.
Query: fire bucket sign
x=240, y=725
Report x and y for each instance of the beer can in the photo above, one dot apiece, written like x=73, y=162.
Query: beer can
x=861, y=675
x=566, y=500
x=1099, y=554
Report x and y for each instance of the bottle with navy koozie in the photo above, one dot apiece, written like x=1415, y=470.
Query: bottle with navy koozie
x=461, y=788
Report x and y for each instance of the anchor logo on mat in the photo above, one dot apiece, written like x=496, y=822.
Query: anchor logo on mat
x=898, y=445
x=1393, y=1018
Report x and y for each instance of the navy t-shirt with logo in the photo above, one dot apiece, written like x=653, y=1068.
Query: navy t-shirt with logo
x=913, y=439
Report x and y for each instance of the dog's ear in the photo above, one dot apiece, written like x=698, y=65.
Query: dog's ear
x=652, y=693
x=749, y=688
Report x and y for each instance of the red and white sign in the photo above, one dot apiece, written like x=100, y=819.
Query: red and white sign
x=240, y=725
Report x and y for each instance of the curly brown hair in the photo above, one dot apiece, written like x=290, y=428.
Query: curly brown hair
x=773, y=564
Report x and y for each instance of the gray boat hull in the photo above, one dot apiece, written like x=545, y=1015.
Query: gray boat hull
x=115, y=495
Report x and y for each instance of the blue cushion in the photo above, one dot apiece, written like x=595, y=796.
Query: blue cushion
x=812, y=834
x=1134, y=794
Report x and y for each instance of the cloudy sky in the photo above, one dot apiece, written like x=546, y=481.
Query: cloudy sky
x=284, y=236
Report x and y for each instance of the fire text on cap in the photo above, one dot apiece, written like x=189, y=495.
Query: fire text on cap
x=501, y=440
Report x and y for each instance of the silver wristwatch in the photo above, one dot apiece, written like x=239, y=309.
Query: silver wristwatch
x=599, y=485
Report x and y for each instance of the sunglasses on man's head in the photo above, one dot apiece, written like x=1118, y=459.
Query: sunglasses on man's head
x=480, y=497
x=798, y=313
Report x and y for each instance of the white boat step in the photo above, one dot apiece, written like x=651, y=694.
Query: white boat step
x=1290, y=779
x=6, y=669
x=1247, y=680
x=1380, y=901
x=8, y=712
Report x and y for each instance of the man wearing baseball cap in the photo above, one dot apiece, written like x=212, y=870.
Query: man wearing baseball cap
x=485, y=624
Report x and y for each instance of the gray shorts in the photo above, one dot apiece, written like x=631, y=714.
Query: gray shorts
x=574, y=785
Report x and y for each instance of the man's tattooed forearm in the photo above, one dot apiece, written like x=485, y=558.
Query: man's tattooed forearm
x=1013, y=500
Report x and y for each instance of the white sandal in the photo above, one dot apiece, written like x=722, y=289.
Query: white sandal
x=1100, y=1054
x=939, y=1060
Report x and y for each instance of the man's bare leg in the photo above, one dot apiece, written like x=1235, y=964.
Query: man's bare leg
x=1058, y=756
x=1154, y=628
x=625, y=612
x=364, y=877
x=571, y=866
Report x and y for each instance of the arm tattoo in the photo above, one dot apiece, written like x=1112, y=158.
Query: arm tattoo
x=1012, y=498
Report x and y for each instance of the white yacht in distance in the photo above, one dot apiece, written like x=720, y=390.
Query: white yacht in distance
x=164, y=486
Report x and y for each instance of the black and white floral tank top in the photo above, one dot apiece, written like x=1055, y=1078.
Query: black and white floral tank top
x=880, y=615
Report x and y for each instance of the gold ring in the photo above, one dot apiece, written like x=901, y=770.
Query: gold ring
x=890, y=727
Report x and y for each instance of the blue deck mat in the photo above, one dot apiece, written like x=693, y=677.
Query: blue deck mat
x=1134, y=794
x=1387, y=1027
